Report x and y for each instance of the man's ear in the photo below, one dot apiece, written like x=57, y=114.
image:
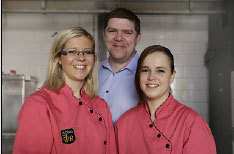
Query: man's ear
x=103, y=35
x=138, y=38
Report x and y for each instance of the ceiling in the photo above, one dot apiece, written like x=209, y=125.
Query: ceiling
x=189, y=7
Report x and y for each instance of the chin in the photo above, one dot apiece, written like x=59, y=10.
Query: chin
x=80, y=78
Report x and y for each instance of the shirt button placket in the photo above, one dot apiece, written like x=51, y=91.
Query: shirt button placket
x=159, y=135
x=167, y=146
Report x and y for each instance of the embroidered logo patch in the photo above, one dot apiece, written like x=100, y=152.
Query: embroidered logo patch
x=68, y=136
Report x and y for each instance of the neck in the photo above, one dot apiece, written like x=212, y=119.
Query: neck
x=152, y=108
x=117, y=65
x=154, y=105
x=75, y=86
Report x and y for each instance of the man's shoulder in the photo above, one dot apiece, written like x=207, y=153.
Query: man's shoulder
x=100, y=64
x=103, y=65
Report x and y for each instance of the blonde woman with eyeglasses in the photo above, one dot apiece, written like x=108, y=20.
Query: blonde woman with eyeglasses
x=65, y=116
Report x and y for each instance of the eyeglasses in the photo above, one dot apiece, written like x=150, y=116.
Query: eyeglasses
x=73, y=53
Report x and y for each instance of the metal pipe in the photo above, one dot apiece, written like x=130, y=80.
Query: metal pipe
x=131, y=0
x=99, y=11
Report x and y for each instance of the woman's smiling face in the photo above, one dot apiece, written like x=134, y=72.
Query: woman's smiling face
x=77, y=67
x=156, y=76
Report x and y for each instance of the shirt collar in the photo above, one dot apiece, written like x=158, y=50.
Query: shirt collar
x=164, y=109
x=131, y=66
x=68, y=91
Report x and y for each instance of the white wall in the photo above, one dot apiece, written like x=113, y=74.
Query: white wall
x=27, y=38
x=187, y=38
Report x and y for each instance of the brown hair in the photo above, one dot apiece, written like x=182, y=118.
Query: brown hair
x=125, y=14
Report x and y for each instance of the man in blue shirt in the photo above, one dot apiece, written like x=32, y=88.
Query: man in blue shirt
x=121, y=33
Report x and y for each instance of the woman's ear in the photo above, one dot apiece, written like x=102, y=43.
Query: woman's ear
x=173, y=76
x=59, y=61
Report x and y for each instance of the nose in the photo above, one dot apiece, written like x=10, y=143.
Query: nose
x=118, y=36
x=151, y=76
x=80, y=56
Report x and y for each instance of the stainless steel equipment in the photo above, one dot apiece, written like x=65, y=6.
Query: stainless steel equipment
x=15, y=88
x=232, y=95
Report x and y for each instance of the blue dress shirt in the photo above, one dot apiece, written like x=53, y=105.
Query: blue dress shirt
x=118, y=88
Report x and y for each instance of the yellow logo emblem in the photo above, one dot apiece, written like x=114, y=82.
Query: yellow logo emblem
x=68, y=136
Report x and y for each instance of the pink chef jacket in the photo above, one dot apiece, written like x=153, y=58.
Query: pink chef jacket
x=51, y=123
x=177, y=129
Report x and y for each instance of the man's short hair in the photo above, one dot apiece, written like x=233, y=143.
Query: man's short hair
x=125, y=14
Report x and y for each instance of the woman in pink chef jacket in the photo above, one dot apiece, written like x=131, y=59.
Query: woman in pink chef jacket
x=65, y=116
x=160, y=124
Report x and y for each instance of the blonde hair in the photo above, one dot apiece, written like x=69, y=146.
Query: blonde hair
x=54, y=80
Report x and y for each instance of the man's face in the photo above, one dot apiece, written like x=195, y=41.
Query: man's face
x=120, y=39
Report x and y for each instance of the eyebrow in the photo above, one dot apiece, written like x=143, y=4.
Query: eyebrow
x=79, y=50
x=144, y=67
x=108, y=28
x=159, y=67
x=130, y=30
x=112, y=28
